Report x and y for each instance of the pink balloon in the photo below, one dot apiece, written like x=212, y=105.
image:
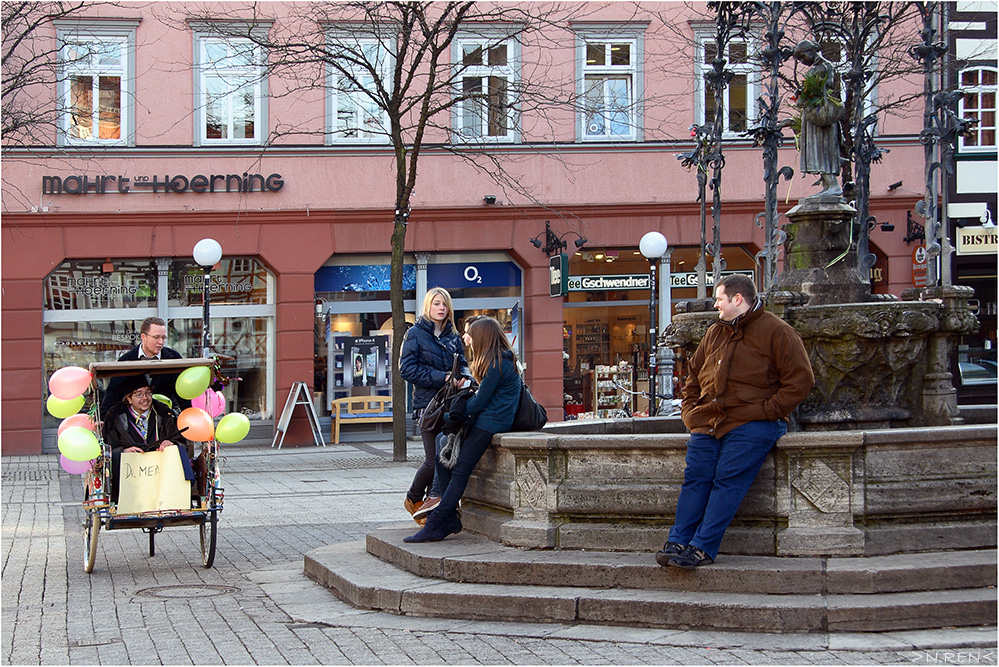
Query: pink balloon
x=211, y=401
x=69, y=382
x=74, y=467
x=79, y=419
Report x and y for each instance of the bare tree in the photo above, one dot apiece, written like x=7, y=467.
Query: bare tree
x=402, y=61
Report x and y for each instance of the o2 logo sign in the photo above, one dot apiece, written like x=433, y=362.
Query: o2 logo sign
x=472, y=274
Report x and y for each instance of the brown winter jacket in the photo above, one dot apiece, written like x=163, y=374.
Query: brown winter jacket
x=752, y=369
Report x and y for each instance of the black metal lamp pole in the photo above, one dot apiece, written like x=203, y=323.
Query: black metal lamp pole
x=207, y=253
x=653, y=246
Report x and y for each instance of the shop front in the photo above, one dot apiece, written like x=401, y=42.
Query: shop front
x=606, y=320
x=353, y=341
x=93, y=310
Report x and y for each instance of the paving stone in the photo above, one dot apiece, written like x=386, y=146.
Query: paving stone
x=257, y=607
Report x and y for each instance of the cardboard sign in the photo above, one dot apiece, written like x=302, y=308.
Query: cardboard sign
x=153, y=481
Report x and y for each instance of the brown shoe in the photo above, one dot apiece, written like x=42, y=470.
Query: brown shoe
x=426, y=508
x=410, y=506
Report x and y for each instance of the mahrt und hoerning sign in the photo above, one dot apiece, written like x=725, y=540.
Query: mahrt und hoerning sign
x=199, y=183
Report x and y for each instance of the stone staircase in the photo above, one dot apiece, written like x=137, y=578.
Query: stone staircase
x=470, y=577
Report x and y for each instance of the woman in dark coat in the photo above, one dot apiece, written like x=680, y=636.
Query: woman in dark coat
x=425, y=361
x=492, y=406
x=140, y=424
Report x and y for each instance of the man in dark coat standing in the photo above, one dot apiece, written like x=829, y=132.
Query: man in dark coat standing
x=152, y=346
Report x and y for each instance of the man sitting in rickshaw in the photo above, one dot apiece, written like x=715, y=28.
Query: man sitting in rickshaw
x=138, y=423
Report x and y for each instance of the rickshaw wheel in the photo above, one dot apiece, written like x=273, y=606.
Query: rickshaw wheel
x=91, y=529
x=208, y=530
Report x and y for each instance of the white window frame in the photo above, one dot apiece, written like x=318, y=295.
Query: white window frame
x=364, y=105
x=961, y=112
x=463, y=111
x=608, y=36
x=751, y=70
x=120, y=33
x=255, y=73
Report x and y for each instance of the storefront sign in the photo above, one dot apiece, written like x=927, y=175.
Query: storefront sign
x=977, y=240
x=459, y=275
x=558, y=275
x=919, y=266
x=608, y=283
x=879, y=272
x=690, y=279
x=83, y=184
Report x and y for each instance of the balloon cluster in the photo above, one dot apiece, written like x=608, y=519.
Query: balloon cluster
x=206, y=404
x=78, y=444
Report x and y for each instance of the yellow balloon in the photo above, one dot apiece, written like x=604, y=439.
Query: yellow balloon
x=165, y=400
x=62, y=409
x=79, y=444
x=193, y=382
x=232, y=428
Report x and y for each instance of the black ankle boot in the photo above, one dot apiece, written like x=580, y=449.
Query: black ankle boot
x=432, y=531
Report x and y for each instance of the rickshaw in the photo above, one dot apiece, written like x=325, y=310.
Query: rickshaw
x=99, y=509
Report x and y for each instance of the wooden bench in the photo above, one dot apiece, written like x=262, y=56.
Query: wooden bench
x=360, y=410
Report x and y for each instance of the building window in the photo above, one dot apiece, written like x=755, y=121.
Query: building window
x=978, y=102
x=96, y=84
x=739, y=99
x=354, y=82
x=609, y=88
x=230, y=91
x=93, y=309
x=486, y=108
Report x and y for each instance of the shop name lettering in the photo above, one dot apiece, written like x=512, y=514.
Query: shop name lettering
x=197, y=284
x=980, y=239
x=82, y=185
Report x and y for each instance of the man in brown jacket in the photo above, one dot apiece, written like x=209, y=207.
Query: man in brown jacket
x=747, y=375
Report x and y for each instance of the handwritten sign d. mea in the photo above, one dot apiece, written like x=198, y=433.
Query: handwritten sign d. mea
x=153, y=481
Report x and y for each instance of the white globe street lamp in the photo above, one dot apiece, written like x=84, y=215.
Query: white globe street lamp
x=207, y=253
x=654, y=247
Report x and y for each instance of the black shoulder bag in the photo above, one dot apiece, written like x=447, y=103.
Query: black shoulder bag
x=432, y=417
x=530, y=416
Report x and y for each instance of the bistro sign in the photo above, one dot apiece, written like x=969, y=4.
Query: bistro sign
x=977, y=240
x=83, y=184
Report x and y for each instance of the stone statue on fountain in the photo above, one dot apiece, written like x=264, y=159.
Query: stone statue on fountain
x=821, y=111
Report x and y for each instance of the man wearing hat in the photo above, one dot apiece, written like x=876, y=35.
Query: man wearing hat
x=152, y=347
x=137, y=423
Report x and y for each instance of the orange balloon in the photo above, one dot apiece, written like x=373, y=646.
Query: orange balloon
x=198, y=423
x=79, y=419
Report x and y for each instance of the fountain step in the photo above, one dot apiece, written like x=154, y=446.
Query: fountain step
x=474, y=559
x=420, y=580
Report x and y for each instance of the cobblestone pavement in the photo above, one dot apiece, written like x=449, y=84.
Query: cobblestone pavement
x=256, y=607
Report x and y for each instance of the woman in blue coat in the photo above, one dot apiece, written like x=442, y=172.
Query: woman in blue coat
x=493, y=407
x=425, y=361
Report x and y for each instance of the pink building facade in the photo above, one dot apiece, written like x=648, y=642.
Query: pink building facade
x=100, y=220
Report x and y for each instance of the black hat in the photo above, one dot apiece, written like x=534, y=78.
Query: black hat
x=132, y=383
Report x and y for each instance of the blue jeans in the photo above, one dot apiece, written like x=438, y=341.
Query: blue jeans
x=718, y=475
x=453, y=482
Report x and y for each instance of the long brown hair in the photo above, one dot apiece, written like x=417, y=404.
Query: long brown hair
x=488, y=344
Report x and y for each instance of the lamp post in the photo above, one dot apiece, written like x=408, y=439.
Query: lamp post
x=653, y=246
x=207, y=253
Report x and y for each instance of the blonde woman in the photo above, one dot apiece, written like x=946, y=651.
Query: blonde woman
x=425, y=361
x=493, y=406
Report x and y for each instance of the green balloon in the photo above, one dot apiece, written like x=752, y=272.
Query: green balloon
x=79, y=444
x=232, y=428
x=193, y=382
x=165, y=400
x=62, y=409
